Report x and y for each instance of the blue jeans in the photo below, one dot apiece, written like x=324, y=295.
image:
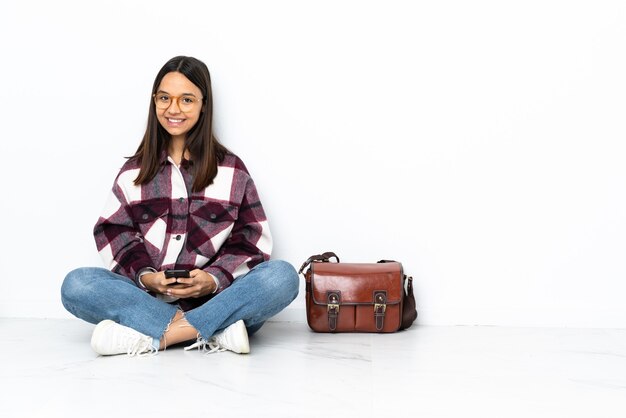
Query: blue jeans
x=95, y=294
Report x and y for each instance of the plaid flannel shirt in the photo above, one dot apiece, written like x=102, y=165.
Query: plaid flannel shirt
x=163, y=225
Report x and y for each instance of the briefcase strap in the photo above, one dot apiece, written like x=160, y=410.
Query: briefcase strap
x=380, y=306
x=333, y=303
x=324, y=257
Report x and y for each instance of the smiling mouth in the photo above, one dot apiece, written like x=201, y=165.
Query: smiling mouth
x=175, y=120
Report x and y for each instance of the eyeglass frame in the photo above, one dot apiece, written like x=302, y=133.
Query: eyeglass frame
x=176, y=98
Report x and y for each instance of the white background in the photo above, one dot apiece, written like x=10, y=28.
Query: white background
x=481, y=143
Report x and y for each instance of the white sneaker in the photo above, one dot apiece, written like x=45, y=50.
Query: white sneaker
x=110, y=338
x=233, y=338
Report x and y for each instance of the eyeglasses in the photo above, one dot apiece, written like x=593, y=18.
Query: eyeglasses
x=185, y=103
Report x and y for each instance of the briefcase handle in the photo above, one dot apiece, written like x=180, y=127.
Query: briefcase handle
x=324, y=257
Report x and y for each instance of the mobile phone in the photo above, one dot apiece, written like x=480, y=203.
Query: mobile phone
x=176, y=273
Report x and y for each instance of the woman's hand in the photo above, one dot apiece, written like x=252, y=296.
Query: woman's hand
x=199, y=283
x=157, y=282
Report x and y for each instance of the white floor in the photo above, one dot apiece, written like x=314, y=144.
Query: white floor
x=48, y=370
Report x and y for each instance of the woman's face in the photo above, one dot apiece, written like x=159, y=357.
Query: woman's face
x=178, y=104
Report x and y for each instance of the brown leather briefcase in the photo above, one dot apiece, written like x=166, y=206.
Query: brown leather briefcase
x=357, y=297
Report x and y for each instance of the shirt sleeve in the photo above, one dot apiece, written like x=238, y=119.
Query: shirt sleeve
x=118, y=241
x=249, y=243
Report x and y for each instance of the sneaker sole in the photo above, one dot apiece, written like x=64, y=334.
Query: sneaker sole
x=98, y=330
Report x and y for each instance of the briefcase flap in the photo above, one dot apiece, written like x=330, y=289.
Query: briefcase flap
x=357, y=283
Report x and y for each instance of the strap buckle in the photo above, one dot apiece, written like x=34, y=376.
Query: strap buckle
x=334, y=307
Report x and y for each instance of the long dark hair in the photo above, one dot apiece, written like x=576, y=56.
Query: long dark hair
x=204, y=148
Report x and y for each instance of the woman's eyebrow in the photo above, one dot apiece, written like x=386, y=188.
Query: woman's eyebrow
x=184, y=94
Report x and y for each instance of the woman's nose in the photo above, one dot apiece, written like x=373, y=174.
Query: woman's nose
x=174, y=109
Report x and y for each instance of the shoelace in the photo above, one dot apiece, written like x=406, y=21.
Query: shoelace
x=215, y=347
x=142, y=347
x=202, y=344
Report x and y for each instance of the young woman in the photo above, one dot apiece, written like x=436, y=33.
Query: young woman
x=182, y=202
